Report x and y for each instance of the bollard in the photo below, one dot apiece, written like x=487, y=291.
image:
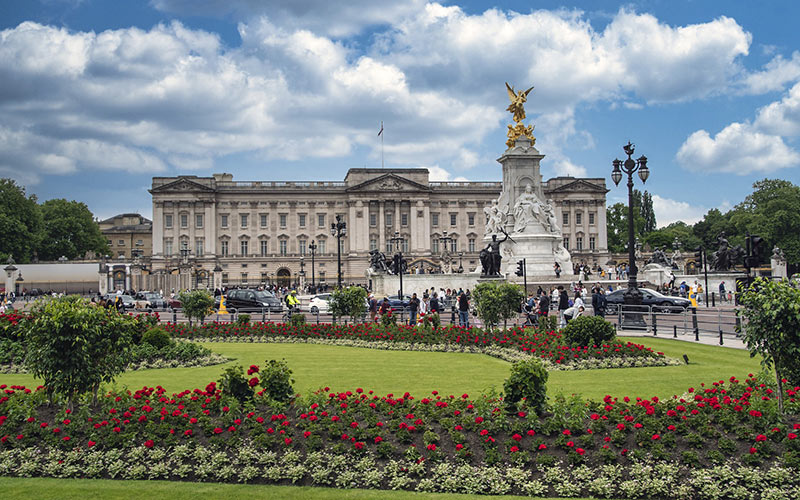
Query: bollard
x=174, y=317
x=674, y=331
x=317, y=315
x=263, y=315
x=653, y=319
x=713, y=301
x=694, y=325
x=720, y=336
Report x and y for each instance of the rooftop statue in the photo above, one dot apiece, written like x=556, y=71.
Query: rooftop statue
x=517, y=109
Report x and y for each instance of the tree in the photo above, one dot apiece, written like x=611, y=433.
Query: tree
x=771, y=328
x=75, y=346
x=196, y=304
x=617, y=227
x=350, y=301
x=20, y=222
x=495, y=302
x=69, y=230
x=665, y=237
x=644, y=221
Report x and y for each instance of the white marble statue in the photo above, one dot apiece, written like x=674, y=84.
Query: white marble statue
x=562, y=255
x=495, y=218
x=527, y=210
x=550, y=217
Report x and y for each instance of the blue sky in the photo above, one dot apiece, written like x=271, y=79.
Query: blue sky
x=99, y=96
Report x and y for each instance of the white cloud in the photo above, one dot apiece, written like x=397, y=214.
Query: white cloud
x=775, y=75
x=438, y=174
x=739, y=149
x=130, y=99
x=782, y=117
x=668, y=211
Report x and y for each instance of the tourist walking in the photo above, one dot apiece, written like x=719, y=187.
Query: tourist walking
x=463, y=310
x=563, y=305
x=413, y=307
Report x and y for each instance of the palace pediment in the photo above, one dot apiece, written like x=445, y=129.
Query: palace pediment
x=388, y=183
x=578, y=185
x=182, y=185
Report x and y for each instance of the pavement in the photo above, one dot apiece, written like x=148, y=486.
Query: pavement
x=730, y=341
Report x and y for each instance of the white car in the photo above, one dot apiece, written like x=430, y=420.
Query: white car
x=319, y=303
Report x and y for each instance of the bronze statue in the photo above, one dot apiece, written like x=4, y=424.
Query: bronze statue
x=491, y=258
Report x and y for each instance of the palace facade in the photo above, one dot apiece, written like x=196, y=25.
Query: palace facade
x=259, y=232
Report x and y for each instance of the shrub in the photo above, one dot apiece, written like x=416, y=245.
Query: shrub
x=196, y=304
x=528, y=380
x=276, y=380
x=156, y=337
x=243, y=319
x=588, y=330
x=497, y=302
x=297, y=320
x=388, y=319
x=351, y=301
x=234, y=383
x=75, y=346
x=547, y=323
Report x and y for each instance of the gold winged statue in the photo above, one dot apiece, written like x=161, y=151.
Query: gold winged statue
x=517, y=108
x=518, y=99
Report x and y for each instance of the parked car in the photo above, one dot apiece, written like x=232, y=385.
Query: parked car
x=150, y=300
x=396, y=303
x=319, y=303
x=251, y=300
x=658, y=300
x=128, y=302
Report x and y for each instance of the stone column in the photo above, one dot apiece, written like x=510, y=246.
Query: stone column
x=158, y=228
x=381, y=226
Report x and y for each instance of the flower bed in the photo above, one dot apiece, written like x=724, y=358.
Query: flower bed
x=725, y=440
x=546, y=345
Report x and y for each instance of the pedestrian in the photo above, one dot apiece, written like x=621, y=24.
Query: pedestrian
x=544, y=304
x=563, y=304
x=413, y=307
x=463, y=310
x=599, y=302
x=572, y=313
x=557, y=269
x=424, y=305
x=385, y=307
x=373, y=308
x=434, y=303
x=722, y=291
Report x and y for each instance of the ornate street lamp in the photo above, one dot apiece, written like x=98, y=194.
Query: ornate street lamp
x=445, y=241
x=633, y=297
x=313, y=248
x=339, y=230
x=460, y=267
x=398, y=259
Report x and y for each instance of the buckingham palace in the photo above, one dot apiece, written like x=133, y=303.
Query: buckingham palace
x=260, y=232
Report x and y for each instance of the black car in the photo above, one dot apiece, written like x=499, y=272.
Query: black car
x=396, y=303
x=150, y=300
x=660, y=302
x=251, y=300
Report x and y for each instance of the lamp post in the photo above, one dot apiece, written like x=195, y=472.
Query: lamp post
x=633, y=297
x=339, y=230
x=302, y=273
x=446, y=241
x=313, y=248
x=398, y=259
x=460, y=267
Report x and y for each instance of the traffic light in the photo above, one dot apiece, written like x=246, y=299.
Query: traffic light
x=698, y=256
x=520, y=268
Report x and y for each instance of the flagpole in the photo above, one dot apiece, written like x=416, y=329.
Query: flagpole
x=382, y=144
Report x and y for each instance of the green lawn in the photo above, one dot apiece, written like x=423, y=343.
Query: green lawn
x=80, y=489
x=346, y=368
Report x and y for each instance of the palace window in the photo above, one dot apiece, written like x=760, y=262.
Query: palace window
x=198, y=247
x=198, y=220
x=263, y=278
x=579, y=243
x=168, y=247
x=223, y=247
x=301, y=219
x=121, y=243
x=389, y=218
x=405, y=245
x=243, y=245
x=435, y=245
x=223, y=220
x=472, y=244
x=244, y=220
x=566, y=242
x=403, y=219
x=453, y=219
x=321, y=220
x=578, y=218
x=302, y=245
x=565, y=219
x=244, y=278
x=321, y=246
x=282, y=218
x=435, y=219
x=373, y=219
x=264, y=220
x=373, y=244
x=389, y=247
x=264, y=247
x=471, y=219
x=224, y=278
x=282, y=246
x=168, y=220
x=591, y=218
x=184, y=220
x=592, y=243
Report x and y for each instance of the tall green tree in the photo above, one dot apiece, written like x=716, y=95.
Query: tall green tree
x=665, y=237
x=20, y=222
x=644, y=221
x=69, y=229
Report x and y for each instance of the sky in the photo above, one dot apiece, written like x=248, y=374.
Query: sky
x=97, y=97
